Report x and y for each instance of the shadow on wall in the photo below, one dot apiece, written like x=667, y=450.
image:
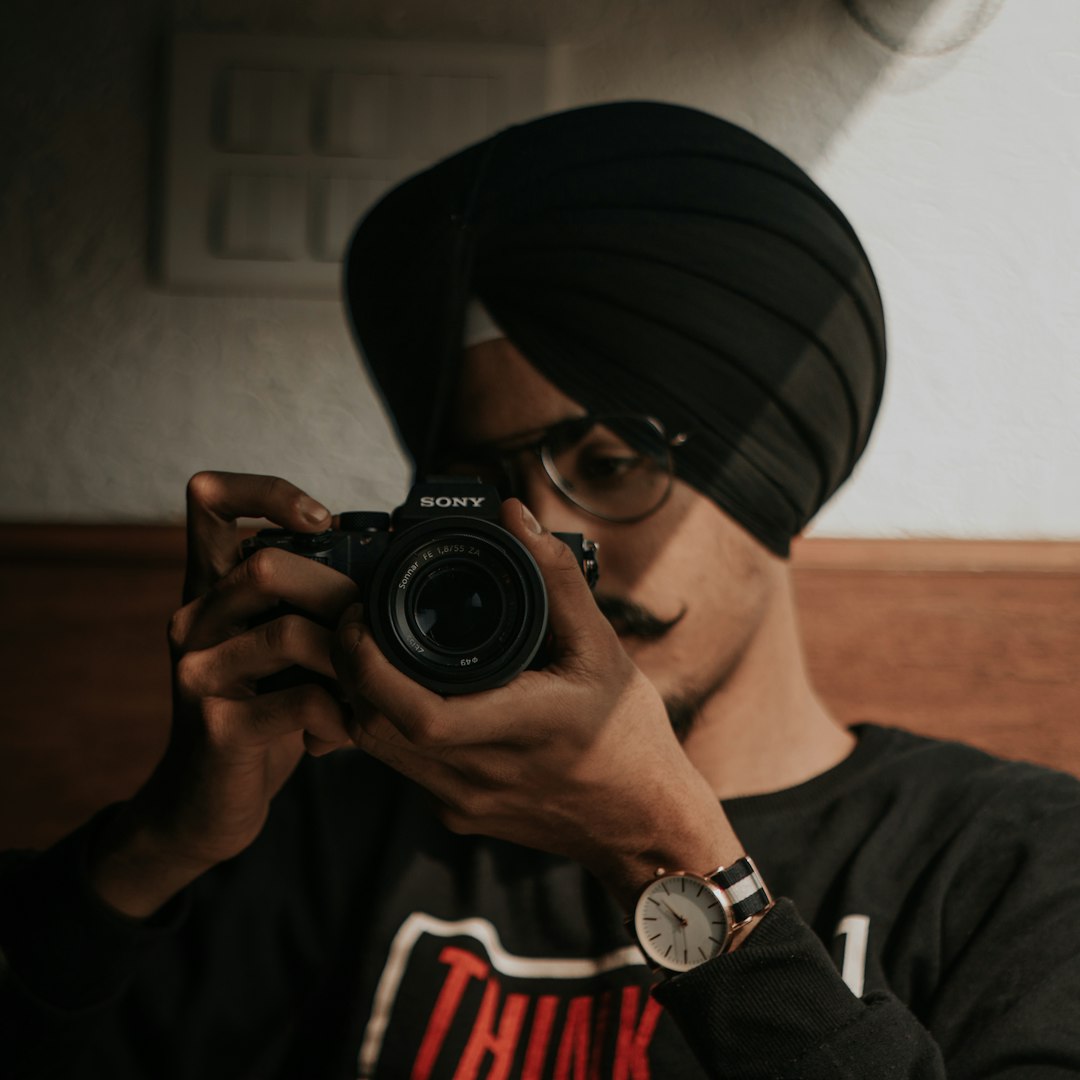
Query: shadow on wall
x=923, y=29
x=790, y=70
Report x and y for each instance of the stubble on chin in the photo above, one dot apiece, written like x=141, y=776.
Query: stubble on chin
x=684, y=707
x=640, y=630
x=682, y=710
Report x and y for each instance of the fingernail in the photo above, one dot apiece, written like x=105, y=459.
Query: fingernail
x=314, y=512
x=530, y=522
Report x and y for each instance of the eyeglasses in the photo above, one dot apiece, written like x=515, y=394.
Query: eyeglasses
x=618, y=468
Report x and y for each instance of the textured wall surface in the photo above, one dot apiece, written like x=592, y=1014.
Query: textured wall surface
x=948, y=131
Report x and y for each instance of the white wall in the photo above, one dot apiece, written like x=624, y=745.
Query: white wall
x=961, y=171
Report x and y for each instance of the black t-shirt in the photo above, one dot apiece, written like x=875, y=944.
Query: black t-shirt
x=931, y=928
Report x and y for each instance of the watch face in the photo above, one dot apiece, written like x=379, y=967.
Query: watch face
x=681, y=921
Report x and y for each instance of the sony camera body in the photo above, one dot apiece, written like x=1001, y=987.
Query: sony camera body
x=452, y=598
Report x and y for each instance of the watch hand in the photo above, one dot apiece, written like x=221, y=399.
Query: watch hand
x=682, y=921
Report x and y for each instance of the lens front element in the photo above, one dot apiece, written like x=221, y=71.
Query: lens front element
x=457, y=607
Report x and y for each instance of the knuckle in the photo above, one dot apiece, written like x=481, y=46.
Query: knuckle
x=285, y=635
x=191, y=674
x=203, y=487
x=475, y=804
x=425, y=732
x=178, y=629
x=263, y=568
x=456, y=821
x=509, y=774
x=217, y=717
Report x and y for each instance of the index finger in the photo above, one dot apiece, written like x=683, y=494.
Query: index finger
x=431, y=723
x=369, y=679
x=215, y=500
x=581, y=631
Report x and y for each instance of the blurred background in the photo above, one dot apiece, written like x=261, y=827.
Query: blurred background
x=947, y=130
x=178, y=178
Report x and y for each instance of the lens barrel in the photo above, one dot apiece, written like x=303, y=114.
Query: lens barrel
x=458, y=604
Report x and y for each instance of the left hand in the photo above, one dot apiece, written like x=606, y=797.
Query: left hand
x=578, y=759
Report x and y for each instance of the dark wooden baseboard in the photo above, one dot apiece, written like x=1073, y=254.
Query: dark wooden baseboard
x=968, y=640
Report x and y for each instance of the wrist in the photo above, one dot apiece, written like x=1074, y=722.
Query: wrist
x=688, y=835
x=131, y=868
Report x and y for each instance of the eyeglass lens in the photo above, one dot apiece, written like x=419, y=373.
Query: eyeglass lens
x=617, y=467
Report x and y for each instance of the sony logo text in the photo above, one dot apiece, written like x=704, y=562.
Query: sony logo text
x=444, y=502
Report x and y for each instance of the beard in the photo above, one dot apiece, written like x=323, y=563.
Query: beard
x=634, y=620
x=682, y=710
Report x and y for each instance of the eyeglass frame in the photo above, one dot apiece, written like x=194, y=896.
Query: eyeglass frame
x=488, y=454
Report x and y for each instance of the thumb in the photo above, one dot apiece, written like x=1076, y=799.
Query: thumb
x=574, y=618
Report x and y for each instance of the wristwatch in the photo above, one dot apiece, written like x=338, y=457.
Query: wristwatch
x=682, y=919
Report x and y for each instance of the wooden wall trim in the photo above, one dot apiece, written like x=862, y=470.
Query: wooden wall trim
x=166, y=543
x=100, y=544
x=930, y=555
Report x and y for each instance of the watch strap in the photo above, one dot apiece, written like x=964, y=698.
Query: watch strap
x=744, y=887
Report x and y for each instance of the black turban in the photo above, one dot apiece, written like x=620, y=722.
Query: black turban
x=645, y=258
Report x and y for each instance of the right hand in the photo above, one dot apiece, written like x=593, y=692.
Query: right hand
x=231, y=749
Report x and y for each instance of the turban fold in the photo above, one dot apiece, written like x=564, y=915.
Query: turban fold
x=645, y=258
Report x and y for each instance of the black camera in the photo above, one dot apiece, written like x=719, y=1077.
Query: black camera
x=452, y=599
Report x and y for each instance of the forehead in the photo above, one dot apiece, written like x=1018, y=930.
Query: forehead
x=500, y=394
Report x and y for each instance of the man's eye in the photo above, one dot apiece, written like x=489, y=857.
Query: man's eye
x=607, y=468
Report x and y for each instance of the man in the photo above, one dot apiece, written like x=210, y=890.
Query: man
x=673, y=345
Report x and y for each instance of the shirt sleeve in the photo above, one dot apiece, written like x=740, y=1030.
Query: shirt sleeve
x=65, y=956
x=777, y=1007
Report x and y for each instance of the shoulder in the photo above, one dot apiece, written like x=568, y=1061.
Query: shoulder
x=979, y=821
x=947, y=773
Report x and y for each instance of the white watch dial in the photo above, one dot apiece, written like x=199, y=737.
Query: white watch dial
x=681, y=921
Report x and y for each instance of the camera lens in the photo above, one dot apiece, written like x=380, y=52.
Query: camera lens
x=458, y=604
x=457, y=607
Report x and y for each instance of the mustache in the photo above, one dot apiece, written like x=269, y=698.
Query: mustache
x=635, y=620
